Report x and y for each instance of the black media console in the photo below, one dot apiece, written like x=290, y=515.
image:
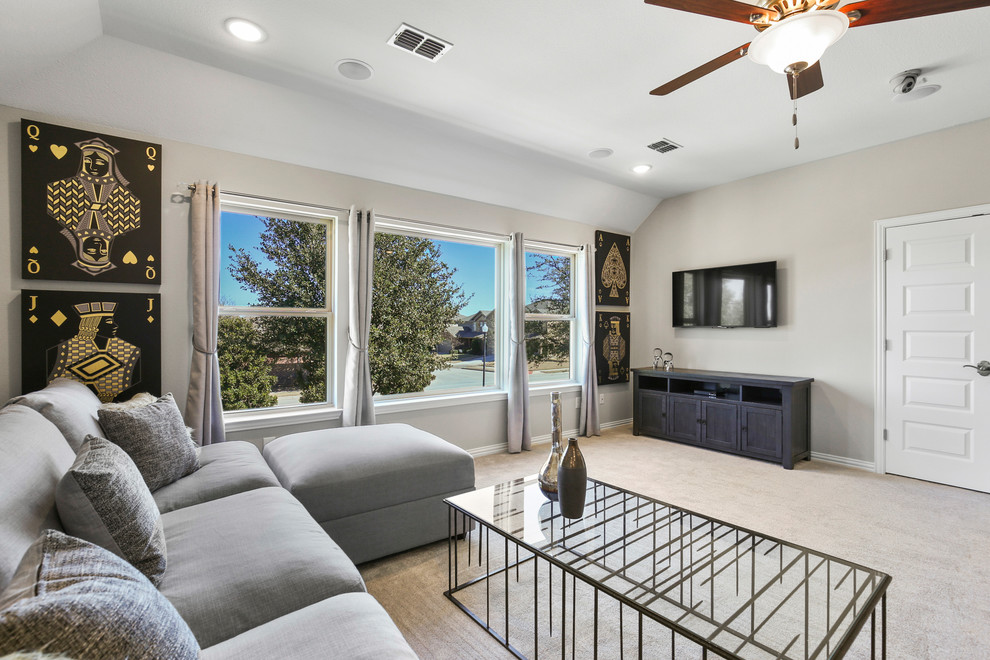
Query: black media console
x=765, y=417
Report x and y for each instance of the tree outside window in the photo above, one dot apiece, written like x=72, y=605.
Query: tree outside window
x=272, y=341
x=433, y=316
x=549, y=315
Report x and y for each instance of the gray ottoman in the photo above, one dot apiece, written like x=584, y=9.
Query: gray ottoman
x=376, y=490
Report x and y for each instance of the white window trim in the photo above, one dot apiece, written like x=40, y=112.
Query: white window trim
x=574, y=253
x=391, y=403
x=258, y=418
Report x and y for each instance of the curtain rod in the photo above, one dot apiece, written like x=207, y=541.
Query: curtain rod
x=436, y=226
x=386, y=218
x=275, y=200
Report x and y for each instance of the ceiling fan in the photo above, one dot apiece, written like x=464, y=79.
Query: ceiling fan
x=793, y=34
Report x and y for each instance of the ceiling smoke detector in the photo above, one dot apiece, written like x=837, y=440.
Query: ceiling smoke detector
x=354, y=69
x=419, y=43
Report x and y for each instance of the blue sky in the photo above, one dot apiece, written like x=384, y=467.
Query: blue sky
x=241, y=231
x=473, y=265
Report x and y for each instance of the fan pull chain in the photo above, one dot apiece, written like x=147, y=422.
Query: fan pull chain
x=797, y=142
x=794, y=95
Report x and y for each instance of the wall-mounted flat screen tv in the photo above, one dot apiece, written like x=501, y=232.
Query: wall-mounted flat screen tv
x=743, y=296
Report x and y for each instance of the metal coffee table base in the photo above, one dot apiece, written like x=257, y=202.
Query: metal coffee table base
x=638, y=578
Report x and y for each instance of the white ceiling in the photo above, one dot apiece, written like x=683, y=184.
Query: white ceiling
x=508, y=116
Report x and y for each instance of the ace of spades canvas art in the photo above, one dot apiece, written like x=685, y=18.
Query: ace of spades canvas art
x=612, y=269
x=91, y=206
x=110, y=342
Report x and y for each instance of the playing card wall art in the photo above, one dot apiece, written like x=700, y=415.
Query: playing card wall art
x=611, y=269
x=612, y=347
x=111, y=342
x=91, y=206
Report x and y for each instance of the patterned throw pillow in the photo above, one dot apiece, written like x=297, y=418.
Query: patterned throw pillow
x=155, y=437
x=103, y=499
x=74, y=598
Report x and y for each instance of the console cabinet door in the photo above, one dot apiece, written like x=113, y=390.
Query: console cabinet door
x=652, y=412
x=684, y=418
x=761, y=432
x=720, y=425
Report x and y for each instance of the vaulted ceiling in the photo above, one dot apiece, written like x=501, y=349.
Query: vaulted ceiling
x=508, y=115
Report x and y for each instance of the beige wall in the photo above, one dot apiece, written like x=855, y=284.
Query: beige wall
x=817, y=221
x=473, y=425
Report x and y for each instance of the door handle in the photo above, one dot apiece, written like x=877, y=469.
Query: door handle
x=982, y=367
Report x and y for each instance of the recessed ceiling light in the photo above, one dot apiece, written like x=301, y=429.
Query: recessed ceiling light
x=600, y=153
x=244, y=30
x=354, y=69
x=642, y=169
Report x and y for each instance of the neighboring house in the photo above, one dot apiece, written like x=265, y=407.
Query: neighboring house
x=466, y=329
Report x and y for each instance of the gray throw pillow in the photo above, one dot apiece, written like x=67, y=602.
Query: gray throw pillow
x=74, y=598
x=103, y=499
x=155, y=437
x=69, y=405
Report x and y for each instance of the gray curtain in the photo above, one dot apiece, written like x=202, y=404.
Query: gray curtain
x=359, y=408
x=518, y=385
x=204, y=412
x=589, y=424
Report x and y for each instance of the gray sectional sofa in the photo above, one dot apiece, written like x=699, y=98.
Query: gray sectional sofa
x=248, y=568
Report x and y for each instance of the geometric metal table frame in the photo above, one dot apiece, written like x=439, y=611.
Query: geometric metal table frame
x=637, y=577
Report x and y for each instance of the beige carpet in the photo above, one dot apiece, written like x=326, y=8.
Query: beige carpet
x=933, y=540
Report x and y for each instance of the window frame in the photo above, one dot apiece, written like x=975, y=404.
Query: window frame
x=425, y=399
x=573, y=252
x=330, y=218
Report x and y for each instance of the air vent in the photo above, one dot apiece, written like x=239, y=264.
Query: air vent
x=419, y=42
x=664, y=146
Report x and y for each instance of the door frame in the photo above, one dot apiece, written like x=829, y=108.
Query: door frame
x=880, y=322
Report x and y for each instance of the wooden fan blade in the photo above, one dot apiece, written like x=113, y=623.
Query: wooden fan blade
x=702, y=70
x=730, y=10
x=883, y=11
x=808, y=81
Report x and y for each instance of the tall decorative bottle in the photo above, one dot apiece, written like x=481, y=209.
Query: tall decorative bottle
x=572, y=481
x=548, y=473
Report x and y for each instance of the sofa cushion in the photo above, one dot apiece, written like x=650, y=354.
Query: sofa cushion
x=33, y=457
x=345, y=471
x=242, y=560
x=225, y=468
x=352, y=626
x=103, y=499
x=69, y=405
x=155, y=437
x=72, y=597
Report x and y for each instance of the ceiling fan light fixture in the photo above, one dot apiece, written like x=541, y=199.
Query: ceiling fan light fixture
x=797, y=42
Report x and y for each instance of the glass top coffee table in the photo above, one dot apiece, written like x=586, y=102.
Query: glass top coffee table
x=636, y=577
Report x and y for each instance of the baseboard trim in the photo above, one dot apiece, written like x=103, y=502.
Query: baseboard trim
x=842, y=460
x=540, y=439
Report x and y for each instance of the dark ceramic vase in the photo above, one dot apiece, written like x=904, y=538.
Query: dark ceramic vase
x=572, y=481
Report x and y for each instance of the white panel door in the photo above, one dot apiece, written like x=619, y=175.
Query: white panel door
x=937, y=320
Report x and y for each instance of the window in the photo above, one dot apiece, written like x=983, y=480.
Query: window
x=550, y=315
x=434, y=311
x=275, y=317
